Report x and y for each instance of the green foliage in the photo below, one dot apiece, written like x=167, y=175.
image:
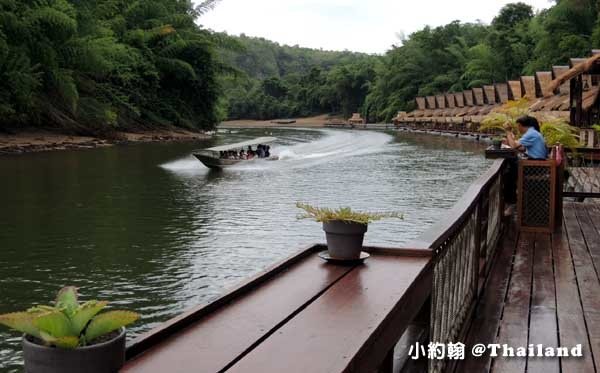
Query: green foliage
x=345, y=214
x=559, y=131
x=95, y=66
x=68, y=324
x=507, y=113
x=275, y=81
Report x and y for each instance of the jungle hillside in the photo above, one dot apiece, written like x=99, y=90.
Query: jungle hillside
x=96, y=66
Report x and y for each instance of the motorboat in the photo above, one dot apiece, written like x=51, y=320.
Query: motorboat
x=224, y=156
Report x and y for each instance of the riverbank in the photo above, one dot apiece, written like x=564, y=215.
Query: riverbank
x=38, y=140
x=309, y=122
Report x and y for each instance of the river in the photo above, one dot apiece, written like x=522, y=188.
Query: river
x=152, y=230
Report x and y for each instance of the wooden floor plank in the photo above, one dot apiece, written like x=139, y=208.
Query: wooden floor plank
x=587, y=280
x=543, y=328
x=514, y=325
x=590, y=234
x=571, y=323
x=484, y=328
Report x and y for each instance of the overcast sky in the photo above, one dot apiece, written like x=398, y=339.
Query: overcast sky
x=366, y=26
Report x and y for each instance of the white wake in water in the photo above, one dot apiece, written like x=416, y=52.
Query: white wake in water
x=332, y=146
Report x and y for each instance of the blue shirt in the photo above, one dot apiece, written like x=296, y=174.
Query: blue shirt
x=534, y=144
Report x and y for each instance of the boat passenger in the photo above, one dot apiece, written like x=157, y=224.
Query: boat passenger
x=242, y=154
x=260, y=150
x=267, y=149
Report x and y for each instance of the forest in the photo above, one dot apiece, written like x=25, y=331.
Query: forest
x=94, y=66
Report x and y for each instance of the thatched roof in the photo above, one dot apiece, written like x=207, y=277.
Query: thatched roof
x=502, y=92
x=580, y=66
x=528, y=84
x=490, y=94
x=450, y=100
x=421, y=104
x=557, y=71
x=514, y=90
x=542, y=81
x=576, y=61
x=441, y=101
x=469, y=98
x=460, y=99
x=431, y=102
x=478, y=96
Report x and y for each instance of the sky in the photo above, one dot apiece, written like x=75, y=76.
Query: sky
x=370, y=26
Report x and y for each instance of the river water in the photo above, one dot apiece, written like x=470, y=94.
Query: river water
x=151, y=229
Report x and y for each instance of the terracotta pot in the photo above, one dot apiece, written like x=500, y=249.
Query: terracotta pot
x=105, y=357
x=344, y=239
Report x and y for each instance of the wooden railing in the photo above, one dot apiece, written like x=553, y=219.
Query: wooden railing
x=463, y=244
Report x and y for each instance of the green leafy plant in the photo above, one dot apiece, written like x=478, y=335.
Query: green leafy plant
x=596, y=127
x=507, y=113
x=554, y=129
x=345, y=214
x=68, y=324
x=559, y=131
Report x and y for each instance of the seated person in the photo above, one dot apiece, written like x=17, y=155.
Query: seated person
x=260, y=151
x=242, y=154
x=533, y=144
x=531, y=141
x=267, y=153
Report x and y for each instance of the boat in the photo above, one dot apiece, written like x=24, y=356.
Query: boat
x=211, y=157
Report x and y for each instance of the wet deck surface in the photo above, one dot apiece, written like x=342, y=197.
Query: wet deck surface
x=298, y=319
x=543, y=289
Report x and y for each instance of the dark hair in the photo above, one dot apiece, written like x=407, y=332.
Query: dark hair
x=529, y=121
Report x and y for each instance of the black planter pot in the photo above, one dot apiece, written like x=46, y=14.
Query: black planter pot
x=106, y=357
x=497, y=144
x=344, y=240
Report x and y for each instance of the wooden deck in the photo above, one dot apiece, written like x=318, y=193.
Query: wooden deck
x=302, y=315
x=543, y=289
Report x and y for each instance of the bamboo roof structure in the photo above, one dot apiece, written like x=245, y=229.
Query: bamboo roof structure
x=441, y=101
x=528, y=84
x=542, y=81
x=548, y=91
x=515, y=91
x=450, y=100
x=502, y=92
x=469, y=101
x=460, y=99
x=490, y=94
x=557, y=71
x=478, y=96
x=579, y=66
x=431, y=102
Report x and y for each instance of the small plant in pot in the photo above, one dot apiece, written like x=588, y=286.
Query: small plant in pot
x=71, y=336
x=497, y=143
x=344, y=228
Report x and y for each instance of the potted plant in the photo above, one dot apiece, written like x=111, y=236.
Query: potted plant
x=497, y=143
x=344, y=228
x=71, y=336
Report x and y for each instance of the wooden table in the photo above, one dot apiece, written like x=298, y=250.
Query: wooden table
x=491, y=153
x=301, y=315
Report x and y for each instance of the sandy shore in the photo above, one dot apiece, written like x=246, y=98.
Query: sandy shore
x=36, y=140
x=311, y=122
